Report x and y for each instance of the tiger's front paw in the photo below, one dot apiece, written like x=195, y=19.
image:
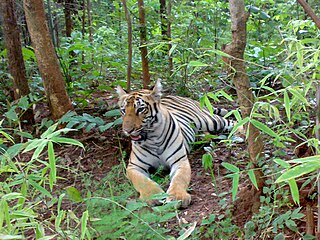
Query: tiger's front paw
x=183, y=196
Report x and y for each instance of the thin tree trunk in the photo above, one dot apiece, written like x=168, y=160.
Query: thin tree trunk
x=163, y=19
x=129, y=67
x=316, y=20
x=143, y=47
x=169, y=39
x=237, y=71
x=68, y=17
x=89, y=21
x=50, y=20
x=83, y=20
x=14, y=53
x=58, y=99
x=310, y=12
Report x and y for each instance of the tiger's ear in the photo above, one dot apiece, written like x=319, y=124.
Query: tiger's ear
x=120, y=91
x=156, y=91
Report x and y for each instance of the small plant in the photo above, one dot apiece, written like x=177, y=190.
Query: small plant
x=27, y=188
x=88, y=122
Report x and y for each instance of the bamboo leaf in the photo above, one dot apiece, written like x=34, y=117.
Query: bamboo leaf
x=84, y=222
x=294, y=190
x=52, y=165
x=235, y=185
x=252, y=178
x=264, y=128
x=39, y=188
x=231, y=167
x=298, y=171
x=67, y=141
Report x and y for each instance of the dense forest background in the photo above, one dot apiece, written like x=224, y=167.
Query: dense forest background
x=62, y=153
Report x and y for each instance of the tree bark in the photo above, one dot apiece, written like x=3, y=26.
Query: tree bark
x=310, y=12
x=14, y=53
x=54, y=85
x=143, y=47
x=68, y=17
x=237, y=71
x=129, y=23
x=170, y=61
x=316, y=20
x=89, y=21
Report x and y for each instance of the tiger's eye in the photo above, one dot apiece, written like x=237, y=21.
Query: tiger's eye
x=140, y=109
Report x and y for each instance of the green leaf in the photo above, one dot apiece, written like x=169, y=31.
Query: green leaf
x=220, y=53
x=23, y=103
x=208, y=104
x=105, y=127
x=298, y=171
x=252, y=178
x=10, y=237
x=231, y=167
x=112, y=113
x=294, y=190
x=39, y=149
x=67, y=141
x=50, y=130
x=239, y=124
x=39, y=188
x=213, y=96
x=32, y=144
x=25, y=134
x=52, y=164
x=74, y=194
x=282, y=163
x=306, y=159
x=197, y=64
x=235, y=185
x=84, y=222
x=286, y=100
x=225, y=95
x=207, y=161
x=11, y=114
x=264, y=128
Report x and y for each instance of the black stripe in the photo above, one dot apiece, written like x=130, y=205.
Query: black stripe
x=177, y=160
x=178, y=148
x=140, y=167
x=139, y=159
x=171, y=133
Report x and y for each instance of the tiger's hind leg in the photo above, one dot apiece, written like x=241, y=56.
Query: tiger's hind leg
x=180, y=179
x=143, y=184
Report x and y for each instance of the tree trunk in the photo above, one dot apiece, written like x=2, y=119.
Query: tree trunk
x=237, y=71
x=14, y=53
x=68, y=17
x=163, y=19
x=166, y=30
x=129, y=68
x=89, y=22
x=310, y=12
x=83, y=21
x=143, y=47
x=316, y=20
x=54, y=85
x=169, y=39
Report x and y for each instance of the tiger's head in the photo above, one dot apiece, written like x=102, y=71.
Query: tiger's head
x=139, y=110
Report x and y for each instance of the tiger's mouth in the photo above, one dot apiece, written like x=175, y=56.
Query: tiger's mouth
x=140, y=137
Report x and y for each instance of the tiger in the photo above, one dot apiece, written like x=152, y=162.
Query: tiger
x=161, y=129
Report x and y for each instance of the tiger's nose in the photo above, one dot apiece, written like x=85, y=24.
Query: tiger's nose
x=127, y=131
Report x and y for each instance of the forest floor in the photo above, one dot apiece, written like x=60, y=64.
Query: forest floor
x=104, y=151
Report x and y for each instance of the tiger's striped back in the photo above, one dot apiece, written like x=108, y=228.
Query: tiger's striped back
x=192, y=118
